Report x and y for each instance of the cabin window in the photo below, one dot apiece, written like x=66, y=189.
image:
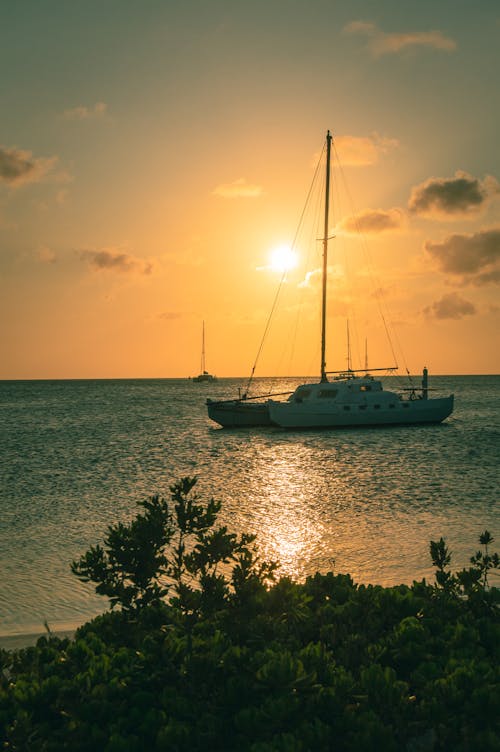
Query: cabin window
x=405, y=404
x=362, y=407
x=300, y=394
x=327, y=393
x=366, y=388
x=347, y=407
x=376, y=407
x=392, y=405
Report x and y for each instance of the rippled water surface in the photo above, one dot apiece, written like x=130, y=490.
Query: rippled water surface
x=76, y=456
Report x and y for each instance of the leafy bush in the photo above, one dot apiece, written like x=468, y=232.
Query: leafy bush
x=205, y=650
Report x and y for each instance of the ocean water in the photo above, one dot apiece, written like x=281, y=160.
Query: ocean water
x=77, y=456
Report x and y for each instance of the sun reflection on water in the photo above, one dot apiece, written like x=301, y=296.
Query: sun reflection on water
x=342, y=502
x=289, y=530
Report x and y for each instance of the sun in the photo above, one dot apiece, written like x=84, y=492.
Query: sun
x=282, y=259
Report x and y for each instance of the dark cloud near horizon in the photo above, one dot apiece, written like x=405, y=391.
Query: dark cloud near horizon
x=115, y=261
x=462, y=194
x=450, y=306
x=475, y=257
x=373, y=221
x=18, y=166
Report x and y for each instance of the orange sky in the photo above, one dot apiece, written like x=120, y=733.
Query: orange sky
x=150, y=160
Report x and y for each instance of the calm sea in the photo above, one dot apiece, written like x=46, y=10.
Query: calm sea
x=76, y=456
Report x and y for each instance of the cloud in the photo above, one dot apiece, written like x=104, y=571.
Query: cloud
x=112, y=260
x=475, y=257
x=359, y=151
x=372, y=221
x=238, y=189
x=446, y=198
x=451, y=306
x=381, y=43
x=19, y=166
x=313, y=279
x=86, y=113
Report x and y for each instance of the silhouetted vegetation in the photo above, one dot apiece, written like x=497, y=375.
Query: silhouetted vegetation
x=205, y=648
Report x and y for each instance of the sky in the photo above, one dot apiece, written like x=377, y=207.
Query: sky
x=154, y=154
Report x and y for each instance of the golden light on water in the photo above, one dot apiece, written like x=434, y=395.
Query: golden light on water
x=289, y=531
x=309, y=511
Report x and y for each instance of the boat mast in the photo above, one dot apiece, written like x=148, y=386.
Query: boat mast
x=325, y=256
x=203, y=348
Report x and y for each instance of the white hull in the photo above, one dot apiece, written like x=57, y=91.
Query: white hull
x=238, y=413
x=204, y=377
x=407, y=412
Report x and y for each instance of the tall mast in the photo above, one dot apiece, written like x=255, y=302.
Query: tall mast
x=325, y=256
x=348, y=348
x=203, y=348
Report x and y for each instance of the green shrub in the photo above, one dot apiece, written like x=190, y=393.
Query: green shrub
x=204, y=650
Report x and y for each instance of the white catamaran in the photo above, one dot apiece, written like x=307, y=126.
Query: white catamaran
x=349, y=399
x=346, y=398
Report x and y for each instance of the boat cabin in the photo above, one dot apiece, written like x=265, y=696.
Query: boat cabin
x=365, y=390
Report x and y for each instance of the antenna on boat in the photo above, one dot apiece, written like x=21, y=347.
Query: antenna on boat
x=325, y=256
x=366, y=355
x=348, y=348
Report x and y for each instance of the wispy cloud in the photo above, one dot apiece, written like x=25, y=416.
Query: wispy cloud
x=115, y=261
x=450, y=306
x=359, y=151
x=445, y=198
x=238, y=189
x=19, y=166
x=313, y=278
x=382, y=43
x=373, y=221
x=82, y=112
x=475, y=258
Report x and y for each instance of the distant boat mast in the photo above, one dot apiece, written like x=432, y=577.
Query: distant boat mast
x=203, y=369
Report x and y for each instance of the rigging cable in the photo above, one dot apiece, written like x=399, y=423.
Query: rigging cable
x=370, y=269
x=313, y=233
x=268, y=323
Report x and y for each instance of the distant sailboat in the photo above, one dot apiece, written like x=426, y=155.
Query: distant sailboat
x=204, y=375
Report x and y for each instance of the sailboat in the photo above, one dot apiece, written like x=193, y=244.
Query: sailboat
x=204, y=375
x=347, y=398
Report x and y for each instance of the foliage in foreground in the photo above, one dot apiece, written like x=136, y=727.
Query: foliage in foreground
x=205, y=650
